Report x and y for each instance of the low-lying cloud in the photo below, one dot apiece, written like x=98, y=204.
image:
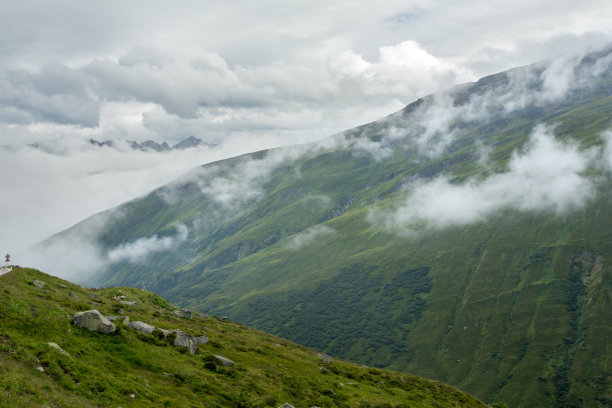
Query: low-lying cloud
x=546, y=176
x=137, y=250
x=309, y=236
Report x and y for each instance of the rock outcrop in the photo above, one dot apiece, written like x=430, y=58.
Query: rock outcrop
x=93, y=320
x=184, y=313
x=38, y=284
x=201, y=339
x=326, y=359
x=141, y=327
x=186, y=340
x=224, y=361
x=124, y=320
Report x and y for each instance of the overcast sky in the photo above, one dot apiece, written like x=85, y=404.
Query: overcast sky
x=244, y=75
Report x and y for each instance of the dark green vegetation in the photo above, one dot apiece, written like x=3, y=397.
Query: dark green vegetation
x=514, y=308
x=132, y=369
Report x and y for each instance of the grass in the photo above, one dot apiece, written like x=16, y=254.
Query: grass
x=132, y=369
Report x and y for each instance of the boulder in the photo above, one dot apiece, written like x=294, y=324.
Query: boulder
x=186, y=340
x=129, y=302
x=326, y=359
x=223, y=360
x=184, y=313
x=94, y=296
x=124, y=320
x=141, y=327
x=38, y=284
x=286, y=405
x=73, y=295
x=93, y=320
x=201, y=339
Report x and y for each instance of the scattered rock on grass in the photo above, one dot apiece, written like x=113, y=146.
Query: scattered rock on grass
x=93, y=320
x=184, y=313
x=201, y=339
x=326, y=359
x=142, y=327
x=223, y=360
x=38, y=284
x=186, y=340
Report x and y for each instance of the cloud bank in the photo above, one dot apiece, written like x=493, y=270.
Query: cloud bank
x=136, y=251
x=546, y=176
x=309, y=236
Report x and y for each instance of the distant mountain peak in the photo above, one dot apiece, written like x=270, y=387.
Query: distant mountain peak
x=152, y=146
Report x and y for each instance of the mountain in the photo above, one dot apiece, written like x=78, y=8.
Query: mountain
x=46, y=360
x=150, y=145
x=189, y=143
x=464, y=238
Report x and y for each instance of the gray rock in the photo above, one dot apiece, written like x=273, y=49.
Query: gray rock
x=58, y=348
x=223, y=360
x=41, y=369
x=129, y=302
x=165, y=332
x=125, y=320
x=286, y=405
x=74, y=295
x=93, y=320
x=94, y=296
x=141, y=327
x=184, y=313
x=62, y=286
x=38, y=284
x=327, y=359
x=186, y=340
x=201, y=339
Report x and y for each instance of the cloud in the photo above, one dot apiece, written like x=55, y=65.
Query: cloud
x=74, y=255
x=309, y=236
x=546, y=176
x=137, y=250
x=235, y=183
x=432, y=125
x=48, y=191
x=56, y=94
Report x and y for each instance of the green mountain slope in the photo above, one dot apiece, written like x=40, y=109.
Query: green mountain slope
x=364, y=247
x=129, y=368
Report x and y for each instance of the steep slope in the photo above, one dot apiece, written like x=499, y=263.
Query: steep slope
x=463, y=238
x=47, y=361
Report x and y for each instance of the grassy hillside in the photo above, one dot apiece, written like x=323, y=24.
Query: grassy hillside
x=128, y=368
x=512, y=306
